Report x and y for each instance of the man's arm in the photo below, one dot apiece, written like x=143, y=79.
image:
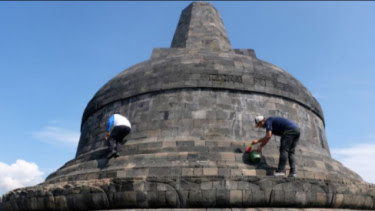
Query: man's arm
x=263, y=140
x=109, y=126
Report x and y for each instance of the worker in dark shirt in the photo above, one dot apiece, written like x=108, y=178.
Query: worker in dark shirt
x=289, y=133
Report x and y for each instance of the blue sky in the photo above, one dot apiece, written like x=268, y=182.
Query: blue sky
x=54, y=56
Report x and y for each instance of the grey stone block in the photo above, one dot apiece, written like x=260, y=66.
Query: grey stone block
x=171, y=199
x=142, y=200
x=223, y=198
x=156, y=199
x=190, y=184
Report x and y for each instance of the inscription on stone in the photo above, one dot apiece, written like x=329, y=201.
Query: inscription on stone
x=260, y=81
x=225, y=78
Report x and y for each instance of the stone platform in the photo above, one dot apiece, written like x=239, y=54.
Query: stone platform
x=192, y=192
x=238, y=209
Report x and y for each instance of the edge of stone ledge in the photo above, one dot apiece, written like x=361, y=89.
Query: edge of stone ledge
x=194, y=192
x=237, y=209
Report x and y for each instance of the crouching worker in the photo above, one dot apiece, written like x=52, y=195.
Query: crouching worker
x=289, y=133
x=118, y=127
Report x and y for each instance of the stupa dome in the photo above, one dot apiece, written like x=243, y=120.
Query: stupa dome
x=192, y=108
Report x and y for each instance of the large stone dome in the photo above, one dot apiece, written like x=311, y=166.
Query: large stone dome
x=192, y=108
x=180, y=71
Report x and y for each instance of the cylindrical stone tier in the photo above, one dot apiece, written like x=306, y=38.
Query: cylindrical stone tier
x=196, y=110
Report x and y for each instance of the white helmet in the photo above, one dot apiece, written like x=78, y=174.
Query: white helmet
x=258, y=119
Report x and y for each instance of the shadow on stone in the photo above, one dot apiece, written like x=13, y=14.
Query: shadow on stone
x=102, y=163
x=103, y=160
x=261, y=165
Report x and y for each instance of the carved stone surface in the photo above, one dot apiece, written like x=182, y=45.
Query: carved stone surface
x=192, y=108
x=193, y=192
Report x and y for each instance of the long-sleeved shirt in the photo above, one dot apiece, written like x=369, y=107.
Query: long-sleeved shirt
x=116, y=120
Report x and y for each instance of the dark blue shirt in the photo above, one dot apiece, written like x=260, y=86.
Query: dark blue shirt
x=278, y=125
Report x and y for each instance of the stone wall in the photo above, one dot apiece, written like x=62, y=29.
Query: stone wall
x=204, y=115
x=184, y=132
x=173, y=69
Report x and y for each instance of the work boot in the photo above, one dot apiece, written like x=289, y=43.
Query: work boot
x=292, y=175
x=279, y=174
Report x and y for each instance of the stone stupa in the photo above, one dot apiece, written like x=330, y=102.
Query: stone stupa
x=192, y=108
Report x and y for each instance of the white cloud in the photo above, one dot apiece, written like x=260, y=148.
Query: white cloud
x=359, y=158
x=52, y=134
x=19, y=174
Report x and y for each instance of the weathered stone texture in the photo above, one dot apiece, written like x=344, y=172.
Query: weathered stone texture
x=192, y=108
x=203, y=70
x=203, y=127
x=201, y=27
x=190, y=192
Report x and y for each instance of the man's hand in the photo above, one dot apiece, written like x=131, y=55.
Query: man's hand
x=106, y=135
x=254, y=142
x=263, y=141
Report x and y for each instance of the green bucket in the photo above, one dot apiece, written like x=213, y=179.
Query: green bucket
x=255, y=157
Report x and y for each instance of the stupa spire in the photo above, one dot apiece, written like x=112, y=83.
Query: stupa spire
x=200, y=27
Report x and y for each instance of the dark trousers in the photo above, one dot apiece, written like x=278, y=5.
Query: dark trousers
x=116, y=136
x=288, y=143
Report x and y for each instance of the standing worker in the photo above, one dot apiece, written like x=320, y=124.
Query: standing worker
x=118, y=127
x=289, y=132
